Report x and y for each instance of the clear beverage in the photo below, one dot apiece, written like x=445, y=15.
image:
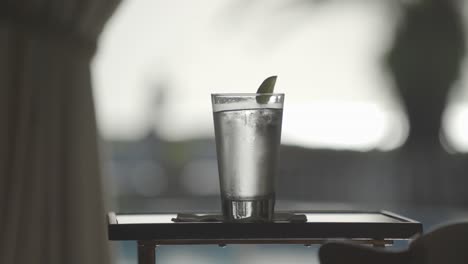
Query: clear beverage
x=247, y=144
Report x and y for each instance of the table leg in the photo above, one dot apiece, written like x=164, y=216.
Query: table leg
x=146, y=252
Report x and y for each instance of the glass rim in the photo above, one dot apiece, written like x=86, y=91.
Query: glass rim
x=244, y=94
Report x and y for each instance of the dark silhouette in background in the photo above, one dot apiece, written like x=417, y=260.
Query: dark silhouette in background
x=425, y=62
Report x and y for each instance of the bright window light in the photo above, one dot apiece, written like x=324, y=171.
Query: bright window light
x=159, y=61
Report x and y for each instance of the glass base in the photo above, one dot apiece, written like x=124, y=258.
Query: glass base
x=249, y=210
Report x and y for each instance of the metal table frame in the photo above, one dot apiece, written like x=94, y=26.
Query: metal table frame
x=150, y=235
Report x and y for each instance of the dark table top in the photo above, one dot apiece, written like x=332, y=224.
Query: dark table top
x=320, y=225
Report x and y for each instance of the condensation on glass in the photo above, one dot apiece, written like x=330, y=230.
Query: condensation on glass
x=248, y=136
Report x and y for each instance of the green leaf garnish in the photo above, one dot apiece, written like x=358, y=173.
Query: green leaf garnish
x=267, y=86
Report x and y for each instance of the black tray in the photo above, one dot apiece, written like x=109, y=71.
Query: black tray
x=320, y=226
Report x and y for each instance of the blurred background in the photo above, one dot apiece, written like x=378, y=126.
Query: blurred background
x=375, y=117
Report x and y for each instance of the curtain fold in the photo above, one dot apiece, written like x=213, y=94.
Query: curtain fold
x=51, y=199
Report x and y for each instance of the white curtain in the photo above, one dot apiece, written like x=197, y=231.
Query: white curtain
x=51, y=199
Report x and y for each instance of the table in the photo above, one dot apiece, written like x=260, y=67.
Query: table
x=150, y=230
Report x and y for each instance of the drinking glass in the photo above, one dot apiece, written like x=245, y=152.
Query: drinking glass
x=248, y=136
